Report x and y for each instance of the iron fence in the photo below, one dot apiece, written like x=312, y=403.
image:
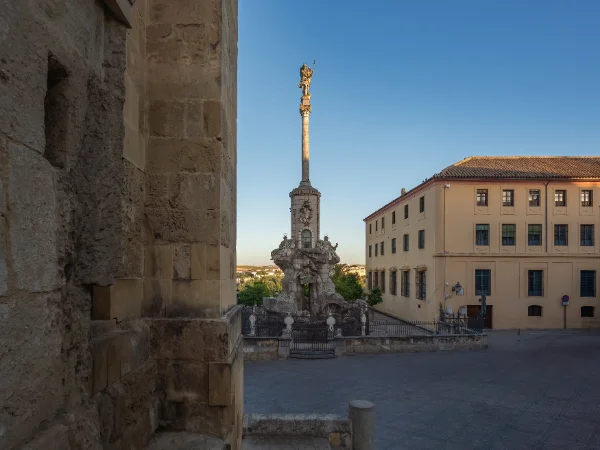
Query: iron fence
x=349, y=324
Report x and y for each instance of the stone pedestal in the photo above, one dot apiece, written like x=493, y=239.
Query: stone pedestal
x=306, y=266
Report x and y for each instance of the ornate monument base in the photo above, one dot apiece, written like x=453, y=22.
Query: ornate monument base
x=306, y=284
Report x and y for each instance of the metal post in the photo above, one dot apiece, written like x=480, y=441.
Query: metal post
x=362, y=417
x=565, y=317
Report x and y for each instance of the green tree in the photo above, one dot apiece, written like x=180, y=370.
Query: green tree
x=251, y=294
x=374, y=297
x=348, y=285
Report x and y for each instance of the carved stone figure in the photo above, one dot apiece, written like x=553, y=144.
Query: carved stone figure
x=305, y=213
x=306, y=74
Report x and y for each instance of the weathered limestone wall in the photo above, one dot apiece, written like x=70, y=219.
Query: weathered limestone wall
x=190, y=201
x=189, y=217
x=61, y=194
x=122, y=298
x=115, y=212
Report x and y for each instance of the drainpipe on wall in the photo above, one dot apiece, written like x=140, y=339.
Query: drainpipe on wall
x=546, y=215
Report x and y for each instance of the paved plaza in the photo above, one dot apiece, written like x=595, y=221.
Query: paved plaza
x=534, y=390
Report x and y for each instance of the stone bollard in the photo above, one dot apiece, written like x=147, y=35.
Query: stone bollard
x=362, y=417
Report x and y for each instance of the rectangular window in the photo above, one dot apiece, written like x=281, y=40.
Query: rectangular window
x=376, y=225
x=586, y=198
x=482, y=234
x=382, y=223
x=534, y=311
x=560, y=198
x=375, y=249
x=381, y=248
x=509, y=232
x=482, y=197
x=421, y=284
x=394, y=245
x=587, y=311
x=587, y=283
x=508, y=197
x=534, y=235
x=535, y=285
x=370, y=281
x=421, y=238
x=587, y=235
x=369, y=251
x=534, y=197
x=376, y=280
x=393, y=217
x=561, y=235
x=422, y=204
x=393, y=284
x=405, y=242
x=383, y=281
x=483, y=282
x=405, y=283
x=370, y=228
x=406, y=211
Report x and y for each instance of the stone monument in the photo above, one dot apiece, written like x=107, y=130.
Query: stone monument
x=306, y=260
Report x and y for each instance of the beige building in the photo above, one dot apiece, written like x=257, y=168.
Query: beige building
x=521, y=230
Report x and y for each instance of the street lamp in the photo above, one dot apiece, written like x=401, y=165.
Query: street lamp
x=458, y=289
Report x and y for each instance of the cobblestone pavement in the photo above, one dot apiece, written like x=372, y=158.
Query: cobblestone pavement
x=537, y=390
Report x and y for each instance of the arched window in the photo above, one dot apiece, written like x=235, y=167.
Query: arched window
x=534, y=310
x=587, y=311
x=306, y=239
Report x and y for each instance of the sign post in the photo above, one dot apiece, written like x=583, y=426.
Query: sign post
x=565, y=303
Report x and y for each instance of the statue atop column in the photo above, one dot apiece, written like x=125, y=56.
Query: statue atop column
x=306, y=74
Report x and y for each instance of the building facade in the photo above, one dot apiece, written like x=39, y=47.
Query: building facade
x=521, y=230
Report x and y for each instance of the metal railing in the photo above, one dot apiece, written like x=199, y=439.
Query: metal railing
x=273, y=325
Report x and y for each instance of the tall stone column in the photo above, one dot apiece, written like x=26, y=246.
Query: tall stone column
x=305, y=143
x=190, y=223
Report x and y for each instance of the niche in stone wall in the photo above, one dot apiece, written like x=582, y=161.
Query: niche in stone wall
x=56, y=113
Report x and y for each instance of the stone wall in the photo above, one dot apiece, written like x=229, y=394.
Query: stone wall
x=266, y=348
x=408, y=344
x=61, y=138
x=117, y=209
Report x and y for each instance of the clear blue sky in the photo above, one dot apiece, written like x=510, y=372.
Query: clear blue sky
x=401, y=90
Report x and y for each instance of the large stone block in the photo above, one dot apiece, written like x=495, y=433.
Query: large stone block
x=206, y=339
x=23, y=87
x=183, y=80
x=187, y=12
x=182, y=260
x=157, y=190
x=219, y=383
x=197, y=417
x=157, y=295
x=194, y=298
x=193, y=191
x=31, y=364
x=159, y=261
x=3, y=256
x=166, y=155
x=54, y=438
x=33, y=220
x=121, y=300
x=211, y=118
x=178, y=226
x=198, y=255
x=166, y=118
x=184, y=380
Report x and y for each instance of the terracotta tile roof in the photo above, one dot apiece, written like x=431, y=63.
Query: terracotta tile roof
x=511, y=167
x=520, y=167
